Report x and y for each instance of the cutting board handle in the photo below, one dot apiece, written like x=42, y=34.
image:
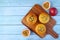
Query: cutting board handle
x=53, y=33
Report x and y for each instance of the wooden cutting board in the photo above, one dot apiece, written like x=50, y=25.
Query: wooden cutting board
x=37, y=9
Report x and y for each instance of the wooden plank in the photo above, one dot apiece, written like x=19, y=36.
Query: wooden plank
x=12, y=30
x=18, y=10
x=17, y=37
x=17, y=30
x=26, y=3
x=31, y=37
x=10, y=19
x=14, y=10
x=17, y=19
x=10, y=37
x=19, y=2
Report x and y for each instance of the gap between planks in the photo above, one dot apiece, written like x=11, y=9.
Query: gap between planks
x=15, y=24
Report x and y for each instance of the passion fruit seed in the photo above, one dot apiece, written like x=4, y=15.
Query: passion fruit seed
x=31, y=18
x=41, y=29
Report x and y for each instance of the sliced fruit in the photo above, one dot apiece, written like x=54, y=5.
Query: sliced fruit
x=31, y=18
x=40, y=29
x=25, y=33
x=44, y=18
x=46, y=5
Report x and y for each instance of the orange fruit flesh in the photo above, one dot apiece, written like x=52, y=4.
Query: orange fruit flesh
x=31, y=18
x=40, y=28
x=46, y=5
x=44, y=18
x=25, y=32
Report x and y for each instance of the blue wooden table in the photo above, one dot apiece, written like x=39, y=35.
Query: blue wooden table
x=11, y=14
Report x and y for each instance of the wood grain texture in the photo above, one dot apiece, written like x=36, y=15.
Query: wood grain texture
x=11, y=13
x=37, y=9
